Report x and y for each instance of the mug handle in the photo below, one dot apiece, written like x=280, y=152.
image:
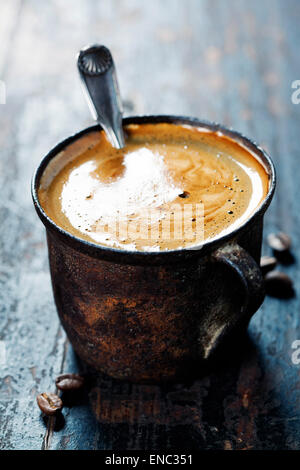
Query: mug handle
x=243, y=265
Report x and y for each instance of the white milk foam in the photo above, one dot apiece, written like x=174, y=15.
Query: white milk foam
x=144, y=183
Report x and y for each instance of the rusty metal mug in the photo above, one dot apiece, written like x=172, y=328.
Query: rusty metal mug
x=150, y=317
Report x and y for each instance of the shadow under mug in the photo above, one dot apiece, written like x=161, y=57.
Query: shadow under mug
x=151, y=317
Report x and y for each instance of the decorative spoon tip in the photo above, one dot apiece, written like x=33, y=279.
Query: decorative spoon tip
x=95, y=60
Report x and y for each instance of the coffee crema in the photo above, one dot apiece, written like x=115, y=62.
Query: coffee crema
x=172, y=186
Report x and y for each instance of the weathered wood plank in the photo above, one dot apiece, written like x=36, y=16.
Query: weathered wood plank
x=10, y=12
x=232, y=62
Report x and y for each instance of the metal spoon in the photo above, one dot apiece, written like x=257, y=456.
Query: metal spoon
x=98, y=76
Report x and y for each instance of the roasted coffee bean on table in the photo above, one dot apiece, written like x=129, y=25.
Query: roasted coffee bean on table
x=268, y=263
x=69, y=382
x=279, y=242
x=49, y=403
x=279, y=284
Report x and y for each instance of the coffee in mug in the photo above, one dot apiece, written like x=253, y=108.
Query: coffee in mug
x=171, y=187
x=155, y=308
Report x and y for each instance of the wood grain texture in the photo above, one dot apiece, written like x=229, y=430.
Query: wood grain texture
x=231, y=62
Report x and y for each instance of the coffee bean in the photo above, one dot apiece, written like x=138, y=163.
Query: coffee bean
x=69, y=382
x=267, y=263
x=279, y=241
x=49, y=403
x=279, y=284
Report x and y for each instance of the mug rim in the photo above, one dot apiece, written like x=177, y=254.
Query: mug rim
x=154, y=257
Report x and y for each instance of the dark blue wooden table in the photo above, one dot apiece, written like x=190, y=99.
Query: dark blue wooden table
x=231, y=61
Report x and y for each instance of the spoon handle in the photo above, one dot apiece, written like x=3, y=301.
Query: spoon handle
x=98, y=76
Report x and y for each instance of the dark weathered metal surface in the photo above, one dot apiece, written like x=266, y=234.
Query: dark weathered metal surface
x=231, y=62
